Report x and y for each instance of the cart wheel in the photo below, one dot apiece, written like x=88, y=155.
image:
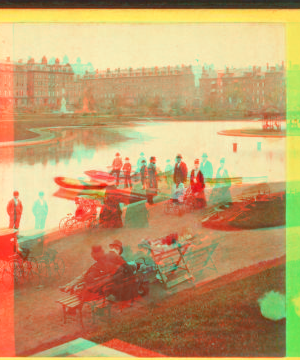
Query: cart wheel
x=189, y=205
x=43, y=270
x=62, y=223
x=167, y=208
x=7, y=279
x=17, y=271
x=70, y=226
x=31, y=271
x=58, y=267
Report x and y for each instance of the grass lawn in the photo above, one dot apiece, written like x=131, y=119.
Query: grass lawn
x=219, y=323
x=250, y=215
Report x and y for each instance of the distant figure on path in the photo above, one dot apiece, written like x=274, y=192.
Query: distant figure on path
x=206, y=167
x=14, y=210
x=127, y=173
x=117, y=167
x=40, y=211
x=180, y=171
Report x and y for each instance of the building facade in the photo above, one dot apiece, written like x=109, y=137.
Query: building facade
x=243, y=89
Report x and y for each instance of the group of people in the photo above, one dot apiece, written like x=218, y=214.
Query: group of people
x=176, y=176
x=106, y=275
x=15, y=210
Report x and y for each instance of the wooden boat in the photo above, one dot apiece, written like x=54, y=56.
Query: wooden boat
x=232, y=180
x=70, y=183
x=106, y=177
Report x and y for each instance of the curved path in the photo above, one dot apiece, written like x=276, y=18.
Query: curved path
x=44, y=135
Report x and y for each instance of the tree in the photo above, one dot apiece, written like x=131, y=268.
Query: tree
x=65, y=60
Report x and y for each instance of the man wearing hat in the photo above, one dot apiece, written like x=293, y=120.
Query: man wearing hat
x=140, y=162
x=206, y=167
x=40, y=211
x=115, y=252
x=14, y=210
x=117, y=166
x=127, y=173
x=152, y=180
x=180, y=171
x=197, y=183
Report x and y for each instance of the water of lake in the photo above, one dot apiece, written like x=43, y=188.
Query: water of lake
x=84, y=148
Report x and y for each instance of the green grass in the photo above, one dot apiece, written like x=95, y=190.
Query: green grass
x=223, y=322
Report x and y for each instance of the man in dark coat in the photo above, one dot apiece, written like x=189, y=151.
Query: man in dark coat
x=180, y=171
x=206, y=167
x=117, y=167
x=14, y=210
x=152, y=186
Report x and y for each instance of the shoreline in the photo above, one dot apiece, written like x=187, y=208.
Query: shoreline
x=23, y=129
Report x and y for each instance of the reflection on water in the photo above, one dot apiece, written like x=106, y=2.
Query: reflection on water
x=76, y=150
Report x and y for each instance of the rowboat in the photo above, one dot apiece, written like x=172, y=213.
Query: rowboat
x=106, y=177
x=70, y=183
x=232, y=180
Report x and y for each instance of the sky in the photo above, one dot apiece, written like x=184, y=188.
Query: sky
x=136, y=45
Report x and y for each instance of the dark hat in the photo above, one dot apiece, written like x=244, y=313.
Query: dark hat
x=97, y=248
x=197, y=161
x=118, y=244
x=222, y=160
x=204, y=155
x=179, y=156
x=16, y=193
x=152, y=158
x=127, y=158
x=143, y=161
x=117, y=154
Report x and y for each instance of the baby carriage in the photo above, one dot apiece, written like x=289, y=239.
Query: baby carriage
x=85, y=216
x=187, y=202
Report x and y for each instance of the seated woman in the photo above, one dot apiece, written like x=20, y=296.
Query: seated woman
x=88, y=285
x=178, y=194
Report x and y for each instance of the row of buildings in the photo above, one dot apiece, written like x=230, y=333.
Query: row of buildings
x=44, y=84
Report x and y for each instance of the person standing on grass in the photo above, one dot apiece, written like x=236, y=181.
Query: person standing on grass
x=40, y=211
x=117, y=167
x=127, y=173
x=14, y=210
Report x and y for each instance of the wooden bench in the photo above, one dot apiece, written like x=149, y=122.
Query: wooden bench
x=72, y=305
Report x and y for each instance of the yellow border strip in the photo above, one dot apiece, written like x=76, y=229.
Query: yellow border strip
x=148, y=16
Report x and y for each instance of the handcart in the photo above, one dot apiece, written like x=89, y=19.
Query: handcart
x=85, y=216
x=16, y=266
